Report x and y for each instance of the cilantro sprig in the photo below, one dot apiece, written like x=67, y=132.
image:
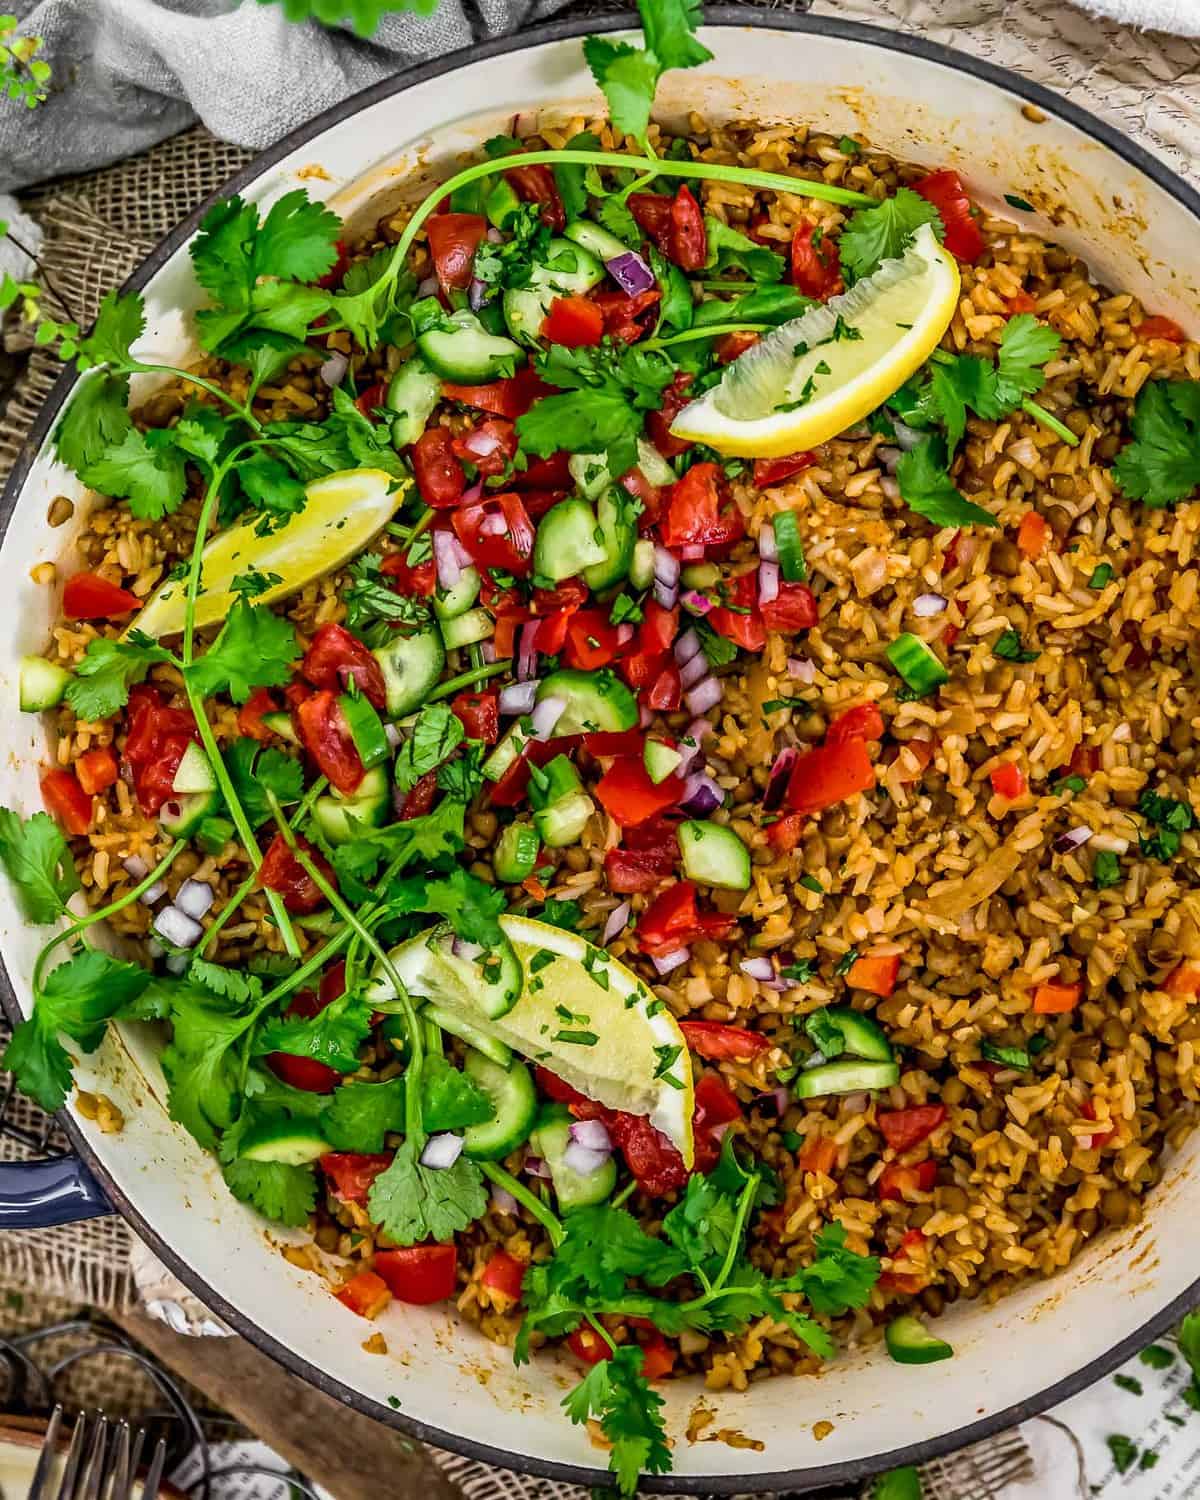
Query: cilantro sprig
x=1162, y=464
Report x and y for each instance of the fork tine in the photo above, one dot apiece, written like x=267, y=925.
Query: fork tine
x=66, y=1485
x=93, y=1473
x=118, y=1475
x=135, y=1461
x=45, y=1463
x=154, y=1473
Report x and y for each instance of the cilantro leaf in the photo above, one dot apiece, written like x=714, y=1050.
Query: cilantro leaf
x=360, y=1114
x=345, y=440
x=272, y=488
x=765, y=304
x=370, y=597
x=108, y=670
x=926, y=487
x=333, y=1036
x=873, y=235
x=898, y=1484
x=957, y=384
x=203, y=1061
x=435, y=737
x=449, y=1099
x=629, y=75
x=96, y=420
x=469, y=904
x=363, y=15
x=838, y=1280
x=730, y=249
x=425, y=838
x=255, y=772
x=36, y=859
x=142, y=469
x=1162, y=464
x=412, y=1203
x=570, y=177
x=701, y=1225
x=120, y=322
x=669, y=28
x=718, y=650
x=254, y=649
x=1025, y=346
x=298, y=239
x=281, y=1192
x=462, y=777
x=629, y=1412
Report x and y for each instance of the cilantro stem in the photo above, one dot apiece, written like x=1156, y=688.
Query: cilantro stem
x=81, y=924
x=711, y=330
x=625, y=1194
x=1048, y=420
x=599, y=1328
x=528, y=1200
x=745, y=1204
x=244, y=412
x=468, y=679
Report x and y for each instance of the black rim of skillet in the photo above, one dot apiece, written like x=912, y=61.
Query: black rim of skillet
x=815, y=1476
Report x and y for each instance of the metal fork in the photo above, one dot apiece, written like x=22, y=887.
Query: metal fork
x=102, y=1466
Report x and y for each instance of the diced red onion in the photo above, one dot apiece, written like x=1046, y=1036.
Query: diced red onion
x=692, y=671
x=925, y=606
x=768, y=582
x=666, y=594
x=687, y=646
x=577, y=1158
x=692, y=553
x=333, y=371
x=493, y=525
x=504, y=1202
x=767, y=548
x=645, y=717
x=695, y=751
x=758, y=968
x=591, y=1133
x=177, y=963
x=802, y=669
x=153, y=893
x=472, y=494
x=1074, y=839
x=136, y=866
x=625, y=634
x=631, y=273
x=778, y=779
x=701, y=795
x=428, y=288
x=488, y=648
x=447, y=554
x=480, y=443
x=907, y=437
x=392, y=735
x=461, y=948
x=667, y=963
x=776, y=1100
x=154, y=948
x=441, y=1151
x=527, y=651
x=494, y=237
x=707, y=693
x=536, y=1167
x=696, y=602
x=399, y=798
x=666, y=566
x=545, y=716
x=479, y=294
x=618, y=920
x=177, y=928
x=889, y=457
x=195, y=899
x=718, y=1132
x=518, y=697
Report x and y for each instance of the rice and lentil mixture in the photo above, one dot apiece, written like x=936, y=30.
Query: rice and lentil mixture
x=1012, y=901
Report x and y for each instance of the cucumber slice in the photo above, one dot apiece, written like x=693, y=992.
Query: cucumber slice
x=459, y=599
x=213, y=834
x=474, y=1036
x=501, y=204
x=292, y=1143
x=514, y=1100
x=572, y=1189
x=568, y=269
x=467, y=629
x=413, y=393
x=280, y=723
x=516, y=853
x=641, y=564
x=844, y=1078
x=342, y=819
x=596, y=240
x=182, y=815
x=194, y=772
x=835, y=1029
x=465, y=352
x=660, y=761
x=411, y=666
x=909, y=1342
x=595, y=701
x=553, y=781
x=564, y=820
x=714, y=855
x=617, y=519
x=653, y=465
x=366, y=730
x=507, y=751
x=916, y=663
x=568, y=540
x=42, y=684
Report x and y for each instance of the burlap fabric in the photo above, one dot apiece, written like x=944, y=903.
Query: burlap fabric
x=100, y=226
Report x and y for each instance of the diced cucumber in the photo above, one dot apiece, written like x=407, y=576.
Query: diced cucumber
x=568, y=540
x=653, y=465
x=567, y=270
x=459, y=599
x=412, y=394
x=182, y=815
x=411, y=666
x=617, y=520
x=493, y=982
x=572, y=1189
x=501, y=204
x=591, y=474
x=641, y=564
x=507, y=751
x=845, y=1078
x=553, y=781
x=516, y=853
x=465, y=352
x=660, y=761
x=291, y=1143
x=788, y=545
x=595, y=239
x=366, y=729
x=835, y=1029
x=465, y=1031
x=194, y=772
x=514, y=1100
x=564, y=820
x=42, y=684
x=280, y=723
x=467, y=629
x=917, y=663
x=342, y=819
x=714, y=855
x=595, y=701
x=699, y=575
x=909, y=1342
x=214, y=833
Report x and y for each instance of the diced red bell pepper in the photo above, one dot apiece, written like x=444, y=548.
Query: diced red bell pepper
x=700, y=511
x=335, y=658
x=1008, y=780
x=366, y=1294
x=67, y=802
x=903, y=1129
x=911, y=1250
x=741, y=618
x=647, y=856
x=370, y=399
x=1098, y=1137
x=88, y=596
x=1033, y=534
x=479, y=714
x=830, y=774
x=719, y=1042
x=1022, y=302
x=441, y=482
x=1184, y=979
x=627, y=793
x=659, y=627
x=771, y=471
x=897, y=1182
x=337, y=272
x=664, y=693
x=818, y=1155
x=731, y=346
x=876, y=975
x=816, y=264
x=1158, y=327
x=504, y=1273
x=716, y=1105
x=672, y=921
x=419, y=1274
x=417, y=583
x=573, y=322
x=97, y=769
x=587, y=1345
x=658, y=1357
x=945, y=191
x=1056, y=999
x=535, y=184
x=862, y=722
x=786, y=832
x=591, y=641
x=509, y=398
x=453, y=241
x=351, y=1173
x=793, y=608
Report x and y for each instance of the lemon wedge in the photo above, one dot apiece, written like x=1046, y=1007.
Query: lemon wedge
x=819, y=374
x=343, y=512
x=581, y=1014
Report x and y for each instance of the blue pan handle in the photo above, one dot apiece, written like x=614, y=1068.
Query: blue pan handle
x=39, y=1194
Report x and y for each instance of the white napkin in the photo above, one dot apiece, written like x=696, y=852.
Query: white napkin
x=1179, y=16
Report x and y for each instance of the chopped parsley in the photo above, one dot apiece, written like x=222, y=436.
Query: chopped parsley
x=1101, y=576
x=1008, y=647
x=1106, y=870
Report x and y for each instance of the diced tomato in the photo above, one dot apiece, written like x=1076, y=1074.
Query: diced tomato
x=911, y=1250
x=550, y=474
x=648, y=855
x=905, y=1128
x=862, y=722
x=651, y=496
x=155, y=742
x=537, y=502
x=876, y=975
x=658, y=1357
x=1032, y=534
x=335, y=658
x=497, y=532
x=591, y=641
x=671, y=921
x=97, y=769
x=818, y=1155
x=659, y=627
x=1056, y=999
x=816, y=264
x=716, y=1105
x=371, y=398
x=351, y=1173
x=769, y=471
x=1098, y=1137
x=322, y=727
x=281, y=871
x=897, y=1183
x=88, y=596
x=718, y=1042
x=307, y=1073
x=510, y=789
x=658, y=423
x=573, y=322
x=1008, y=780
x=419, y=797
x=296, y=692
x=615, y=742
x=676, y=225
x=628, y=794
x=490, y=446
x=1158, y=327
x=439, y=475
x=587, y=1345
x=627, y=318
x=1184, y=979
x=419, y=1274
x=664, y=693
x=250, y=715
x=1085, y=761
x=333, y=984
x=535, y=184
x=740, y=618
x=509, y=619
x=1021, y=303
x=731, y=346
x=337, y=272
x=947, y=194
x=786, y=832
x=509, y=398
x=365, y=1294
x=564, y=598
x=830, y=774
x=640, y=669
x=67, y=802
x=793, y=608
x=419, y=582
x=453, y=241
x=504, y=1273
x=554, y=1088
x=700, y=511
x=652, y=212
x=479, y=714
x=648, y=1154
